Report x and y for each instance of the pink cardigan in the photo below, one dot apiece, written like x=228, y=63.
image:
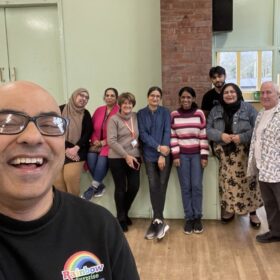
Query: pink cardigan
x=97, y=120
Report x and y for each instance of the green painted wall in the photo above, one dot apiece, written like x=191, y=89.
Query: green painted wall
x=112, y=43
x=141, y=207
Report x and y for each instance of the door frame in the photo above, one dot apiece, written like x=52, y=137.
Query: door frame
x=40, y=3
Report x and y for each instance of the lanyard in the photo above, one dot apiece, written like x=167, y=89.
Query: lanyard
x=130, y=129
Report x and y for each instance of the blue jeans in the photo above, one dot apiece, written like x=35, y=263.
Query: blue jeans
x=98, y=166
x=190, y=176
x=158, y=180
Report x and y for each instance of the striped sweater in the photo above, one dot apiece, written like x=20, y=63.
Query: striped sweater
x=188, y=133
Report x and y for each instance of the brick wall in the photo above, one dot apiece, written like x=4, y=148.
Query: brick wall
x=186, y=38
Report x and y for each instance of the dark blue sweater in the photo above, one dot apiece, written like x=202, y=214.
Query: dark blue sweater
x=154, y=130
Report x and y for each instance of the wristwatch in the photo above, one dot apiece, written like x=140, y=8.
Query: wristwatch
x=158, y=148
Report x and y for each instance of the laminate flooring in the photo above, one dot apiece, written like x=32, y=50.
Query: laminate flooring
x=228, y=252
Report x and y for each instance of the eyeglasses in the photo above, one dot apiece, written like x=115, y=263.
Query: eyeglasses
x=48, y=124
x=152, y=96
x=84, y=96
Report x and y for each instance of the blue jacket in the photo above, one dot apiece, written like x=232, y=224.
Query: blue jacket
x=243, y=123
x=154, y=130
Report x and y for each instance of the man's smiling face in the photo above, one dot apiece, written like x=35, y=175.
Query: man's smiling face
x=29, y=161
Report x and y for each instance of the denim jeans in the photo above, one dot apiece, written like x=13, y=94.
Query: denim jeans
x=190, y=175
x=98, y=166
x=158, y=181
x=127, y=181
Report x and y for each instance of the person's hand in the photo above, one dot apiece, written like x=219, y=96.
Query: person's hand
x=72, y=153
x=226, y=138
x=165, y=150
x=235, y=138
x=204, y=163
x=176, y=162
x=102, y=143
x=161, y=162
x=130, y=159
x=97, y=143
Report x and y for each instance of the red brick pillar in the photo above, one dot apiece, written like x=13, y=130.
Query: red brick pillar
x=186, y=38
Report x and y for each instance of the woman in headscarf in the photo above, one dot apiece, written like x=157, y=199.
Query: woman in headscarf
x=76, y=141
x=230, y=125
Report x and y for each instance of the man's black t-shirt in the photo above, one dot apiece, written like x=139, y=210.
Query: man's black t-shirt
x=210, y=99
x=74, y=240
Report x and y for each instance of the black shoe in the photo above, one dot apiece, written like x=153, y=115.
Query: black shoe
x=157, y=229
x=188, y=228
x=255, y=221
x=124, y=226
x=197, y=226
x=267, y=238
x=100, y=190
x=151, y=232
x=160, y=228
x=89, y=193
x=128, y=221
x=227, y=217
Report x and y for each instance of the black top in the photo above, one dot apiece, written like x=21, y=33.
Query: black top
x=75, y=238
x=210, y=99
x=83, y=142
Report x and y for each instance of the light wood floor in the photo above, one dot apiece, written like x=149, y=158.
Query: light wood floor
x=220, y=252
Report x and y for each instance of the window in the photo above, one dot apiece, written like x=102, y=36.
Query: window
x=248, y=69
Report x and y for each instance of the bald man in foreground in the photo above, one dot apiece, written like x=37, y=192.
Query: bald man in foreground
x=46, y=234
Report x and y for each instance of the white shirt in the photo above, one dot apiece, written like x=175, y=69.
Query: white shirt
x=265, y=119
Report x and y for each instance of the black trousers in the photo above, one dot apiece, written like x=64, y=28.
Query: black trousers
x=271, y=198
x=127, y=181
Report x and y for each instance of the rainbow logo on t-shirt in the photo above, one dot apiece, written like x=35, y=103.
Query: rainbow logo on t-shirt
x=82, y=263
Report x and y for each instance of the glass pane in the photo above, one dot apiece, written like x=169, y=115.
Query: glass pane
x=248, y=70
x=266, y=66
x=228, y=61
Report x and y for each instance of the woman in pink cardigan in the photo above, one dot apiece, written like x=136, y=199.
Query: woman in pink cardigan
x=97, y=158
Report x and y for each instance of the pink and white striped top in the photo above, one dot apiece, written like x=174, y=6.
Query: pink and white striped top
x=188, y=133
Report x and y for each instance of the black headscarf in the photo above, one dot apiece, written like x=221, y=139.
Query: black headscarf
x=229, y=111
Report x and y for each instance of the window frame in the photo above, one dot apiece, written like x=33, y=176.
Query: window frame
x=238, y=64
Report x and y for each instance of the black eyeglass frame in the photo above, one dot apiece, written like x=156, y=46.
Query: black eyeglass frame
x=34, y=119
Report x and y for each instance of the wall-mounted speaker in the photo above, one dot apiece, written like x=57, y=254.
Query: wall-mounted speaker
x=222, y=14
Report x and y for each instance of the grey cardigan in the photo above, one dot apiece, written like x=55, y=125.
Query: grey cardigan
x=119, y=137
